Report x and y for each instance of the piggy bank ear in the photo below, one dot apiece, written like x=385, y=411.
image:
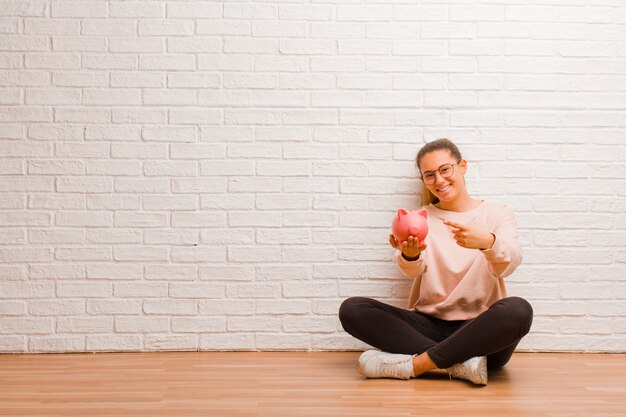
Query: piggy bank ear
x=423, y=212
x=401, y=213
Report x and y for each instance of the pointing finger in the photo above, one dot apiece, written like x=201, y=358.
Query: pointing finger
x=455, y=224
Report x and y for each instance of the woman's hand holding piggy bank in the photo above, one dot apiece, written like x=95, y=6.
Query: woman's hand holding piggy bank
x=409, y=231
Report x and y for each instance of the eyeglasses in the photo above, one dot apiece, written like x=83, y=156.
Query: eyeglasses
x=446, y=171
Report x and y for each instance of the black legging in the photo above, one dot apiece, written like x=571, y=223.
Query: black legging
x=494, y=333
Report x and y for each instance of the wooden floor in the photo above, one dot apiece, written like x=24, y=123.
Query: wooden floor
x=298, y=384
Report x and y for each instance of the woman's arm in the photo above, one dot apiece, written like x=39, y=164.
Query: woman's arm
x=411, y=269
x=411, y=263
x=506, y=253
x=415, y=270
x=500, y=245
x=408, y=256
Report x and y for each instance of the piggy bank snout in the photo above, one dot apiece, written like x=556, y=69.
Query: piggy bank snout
x=414, y=231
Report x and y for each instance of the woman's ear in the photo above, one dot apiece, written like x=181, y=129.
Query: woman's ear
x=463, y=165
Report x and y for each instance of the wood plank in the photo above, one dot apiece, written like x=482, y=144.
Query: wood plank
x=253, y=384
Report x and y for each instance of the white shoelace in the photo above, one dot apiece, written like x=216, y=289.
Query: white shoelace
x=392, y=368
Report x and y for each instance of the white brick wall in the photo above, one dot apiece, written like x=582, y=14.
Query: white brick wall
x=180, y=175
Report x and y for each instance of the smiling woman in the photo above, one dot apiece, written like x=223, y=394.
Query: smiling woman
x=459, y=317
x=446, y=171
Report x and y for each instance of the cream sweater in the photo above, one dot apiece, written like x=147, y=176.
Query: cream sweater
x=455, y=283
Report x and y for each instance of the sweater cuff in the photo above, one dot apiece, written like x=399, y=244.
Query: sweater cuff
x=496, y=251
x=401, y=261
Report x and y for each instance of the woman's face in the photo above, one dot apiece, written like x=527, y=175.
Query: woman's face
x=433, y=165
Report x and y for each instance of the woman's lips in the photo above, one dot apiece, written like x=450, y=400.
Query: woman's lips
x=443, y=190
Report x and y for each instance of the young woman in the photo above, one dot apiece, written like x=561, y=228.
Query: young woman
x=459, y=317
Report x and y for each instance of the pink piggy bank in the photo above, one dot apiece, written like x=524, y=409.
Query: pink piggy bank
x=410, y=223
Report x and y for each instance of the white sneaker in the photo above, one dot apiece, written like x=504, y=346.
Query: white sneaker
x=474, y=369
x=377, y=364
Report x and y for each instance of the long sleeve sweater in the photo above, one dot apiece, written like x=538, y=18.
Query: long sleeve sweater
x=455, y=283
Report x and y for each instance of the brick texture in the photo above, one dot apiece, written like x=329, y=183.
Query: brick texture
x=217, y=175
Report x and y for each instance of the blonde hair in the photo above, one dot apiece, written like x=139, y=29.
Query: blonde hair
x=428, y=197
x=435, y=145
